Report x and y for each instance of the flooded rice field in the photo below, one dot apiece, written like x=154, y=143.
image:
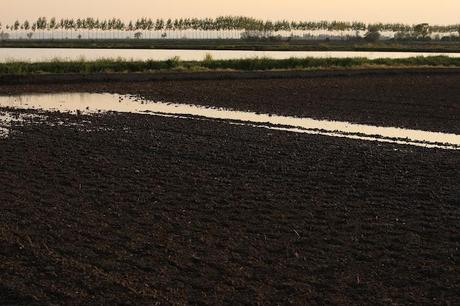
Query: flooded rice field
x=87, y=103
x=313, y=191
x=44, y=54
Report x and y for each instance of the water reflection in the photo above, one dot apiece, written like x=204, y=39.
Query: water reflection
x=93, y=103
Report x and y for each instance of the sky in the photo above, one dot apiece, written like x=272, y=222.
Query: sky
x=406, y=11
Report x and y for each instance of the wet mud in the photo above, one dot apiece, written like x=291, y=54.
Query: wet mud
x=138, y=209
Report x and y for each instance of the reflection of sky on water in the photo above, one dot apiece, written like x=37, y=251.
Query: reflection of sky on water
x=93, y=103
x=39, y=54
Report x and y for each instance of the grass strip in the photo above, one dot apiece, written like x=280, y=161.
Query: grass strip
x=209, y=64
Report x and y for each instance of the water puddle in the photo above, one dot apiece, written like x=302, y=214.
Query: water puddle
x=47, y=54
x=87, y=103
x=7, y=120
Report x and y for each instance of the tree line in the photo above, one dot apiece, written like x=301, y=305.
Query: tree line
x=225, y=23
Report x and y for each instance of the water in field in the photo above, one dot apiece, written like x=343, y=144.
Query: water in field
x=43, y=54
x=95, y=103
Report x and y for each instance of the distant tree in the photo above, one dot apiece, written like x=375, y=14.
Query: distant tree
x=372, y=34
x=26, y=25
x=159, y=25
x=52, y=24
x=169, y=24
x=130, y=26
x=16, y=25
x=422, y=30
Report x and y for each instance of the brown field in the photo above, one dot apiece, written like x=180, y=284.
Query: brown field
x=127, y=209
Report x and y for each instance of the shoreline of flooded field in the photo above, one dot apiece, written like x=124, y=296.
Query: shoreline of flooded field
x=90, y=103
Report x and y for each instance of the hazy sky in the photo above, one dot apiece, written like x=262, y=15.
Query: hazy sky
x=408, y=11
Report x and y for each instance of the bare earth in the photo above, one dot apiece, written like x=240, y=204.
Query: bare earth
x=136, y=209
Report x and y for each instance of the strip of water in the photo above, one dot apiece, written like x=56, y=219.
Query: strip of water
x=93, y=103
x=44, y=54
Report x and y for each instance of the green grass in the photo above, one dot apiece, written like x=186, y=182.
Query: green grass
x=209, y=64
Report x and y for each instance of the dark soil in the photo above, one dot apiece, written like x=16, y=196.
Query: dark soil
x=142, y=210
x=428, y=100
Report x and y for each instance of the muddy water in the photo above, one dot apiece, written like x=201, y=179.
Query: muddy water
x=94, y=103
